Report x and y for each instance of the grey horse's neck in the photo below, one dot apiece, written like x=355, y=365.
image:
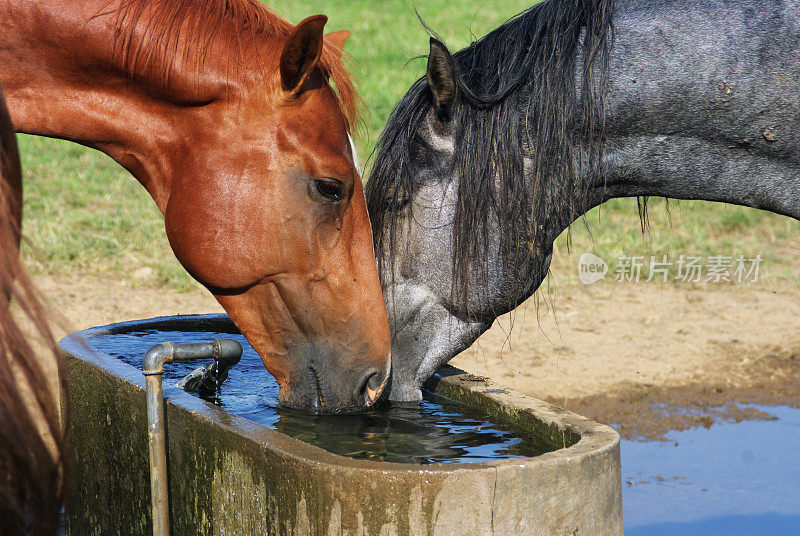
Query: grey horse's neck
x=688, y=167
x=704, y=107
x=698, y=107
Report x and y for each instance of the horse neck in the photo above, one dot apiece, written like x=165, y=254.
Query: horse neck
x=684, y=124
x=61, y=80
x=680, y=167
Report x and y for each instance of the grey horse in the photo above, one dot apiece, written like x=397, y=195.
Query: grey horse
x=503, y=145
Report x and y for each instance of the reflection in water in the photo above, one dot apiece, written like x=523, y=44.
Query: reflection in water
x=438, y=430
x=407, y=434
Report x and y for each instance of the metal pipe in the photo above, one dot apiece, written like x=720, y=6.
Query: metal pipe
x=207, y=378
x=226, y=352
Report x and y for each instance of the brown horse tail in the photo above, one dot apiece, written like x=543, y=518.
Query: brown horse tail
x=31, y=436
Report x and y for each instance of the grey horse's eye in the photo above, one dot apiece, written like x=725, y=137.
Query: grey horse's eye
x=396, y=199
x=394, y=204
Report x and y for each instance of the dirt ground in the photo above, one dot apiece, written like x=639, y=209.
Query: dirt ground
x=647, y=358
x=651, y=358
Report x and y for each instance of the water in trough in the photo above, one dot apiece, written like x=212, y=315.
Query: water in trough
x=436, y=431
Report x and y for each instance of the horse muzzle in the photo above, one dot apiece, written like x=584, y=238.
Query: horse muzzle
x=324, y=389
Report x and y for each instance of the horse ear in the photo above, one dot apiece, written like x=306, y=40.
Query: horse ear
x=441, y=77
x=338, y=38
x=302, y=52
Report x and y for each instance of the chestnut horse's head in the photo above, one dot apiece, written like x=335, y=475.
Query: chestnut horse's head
x=267, y=211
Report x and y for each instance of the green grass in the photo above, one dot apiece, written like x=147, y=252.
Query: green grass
x=690, y=228
x=85, y=214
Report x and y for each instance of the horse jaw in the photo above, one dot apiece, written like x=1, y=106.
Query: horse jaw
x=425, y=336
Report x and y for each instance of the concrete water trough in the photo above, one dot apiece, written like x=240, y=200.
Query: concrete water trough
x=230, y=475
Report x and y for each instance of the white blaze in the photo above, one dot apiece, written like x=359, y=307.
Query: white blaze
x=355, y=154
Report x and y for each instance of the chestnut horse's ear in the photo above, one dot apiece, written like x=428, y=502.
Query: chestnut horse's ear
x=441, y=77
x=338, y=38
x=302, y=52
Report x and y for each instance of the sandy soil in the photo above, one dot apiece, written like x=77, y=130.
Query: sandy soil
x=647, y=358
x=651, y=358
x=86, y=301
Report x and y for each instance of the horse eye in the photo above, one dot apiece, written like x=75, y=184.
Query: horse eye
x=330, y=189
x=396, y=204
x=395, y=198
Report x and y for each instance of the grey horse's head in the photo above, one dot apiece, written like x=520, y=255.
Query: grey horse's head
x=480, y=167
x=438, y=304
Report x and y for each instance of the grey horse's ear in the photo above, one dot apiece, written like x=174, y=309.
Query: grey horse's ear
x=441, y=77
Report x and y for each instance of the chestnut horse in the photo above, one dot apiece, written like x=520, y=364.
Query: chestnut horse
x=226, y=114
x=31, y=469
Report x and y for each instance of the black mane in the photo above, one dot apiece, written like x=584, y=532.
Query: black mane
x=518, y=99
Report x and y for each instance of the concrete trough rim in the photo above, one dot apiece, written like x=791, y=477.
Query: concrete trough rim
x=596, y=439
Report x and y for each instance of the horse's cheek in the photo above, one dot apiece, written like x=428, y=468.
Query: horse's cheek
x=209, y=252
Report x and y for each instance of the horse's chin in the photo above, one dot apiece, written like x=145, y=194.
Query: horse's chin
x=425, y=336
x=405, y=384
x=404, y=392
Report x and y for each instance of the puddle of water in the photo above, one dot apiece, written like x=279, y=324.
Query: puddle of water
x=731, y=479
x=436, y=431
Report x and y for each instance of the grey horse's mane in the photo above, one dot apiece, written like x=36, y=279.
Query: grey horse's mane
x=518, y=99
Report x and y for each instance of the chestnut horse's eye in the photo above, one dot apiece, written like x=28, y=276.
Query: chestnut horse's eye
x=330, y=189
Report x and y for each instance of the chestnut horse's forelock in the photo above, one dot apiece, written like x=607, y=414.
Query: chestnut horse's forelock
x=151, y=34
x=31, y=437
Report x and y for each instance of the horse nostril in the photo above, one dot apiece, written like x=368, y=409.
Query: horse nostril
x=371, y=387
